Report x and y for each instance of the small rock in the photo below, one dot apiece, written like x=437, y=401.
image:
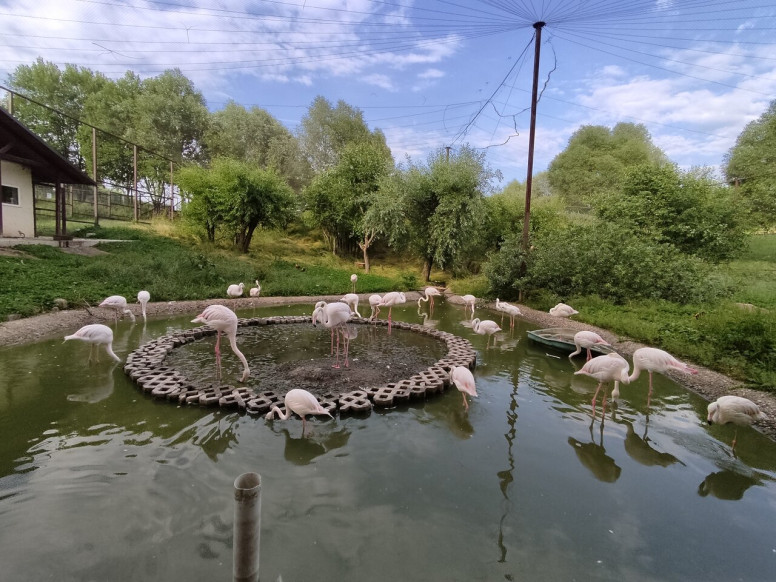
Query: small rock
x=14, y=316
x=60, y=303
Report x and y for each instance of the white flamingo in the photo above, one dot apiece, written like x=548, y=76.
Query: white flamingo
x=736, y=409
x=609, y=368
x=300, y=402
x=143, y=297
x=563, y=310
x=334, y=316
x=256, y=291
x=468, y=302
x=428, y=294
x=119, y=305
x=655, y=360
x=223, y=320
x=374, y=303
x=486, y=326
x=353, y=279
x=95, y=334
x=389, y=300
x=507, y=308
x=352, y=300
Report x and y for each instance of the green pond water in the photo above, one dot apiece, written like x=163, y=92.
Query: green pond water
x=98, y=481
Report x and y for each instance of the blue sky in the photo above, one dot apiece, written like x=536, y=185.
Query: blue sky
x=437, y=73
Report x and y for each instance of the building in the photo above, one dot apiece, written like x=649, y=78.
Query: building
x=26, y=160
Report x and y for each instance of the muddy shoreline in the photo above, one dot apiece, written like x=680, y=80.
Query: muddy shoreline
x=707, y=383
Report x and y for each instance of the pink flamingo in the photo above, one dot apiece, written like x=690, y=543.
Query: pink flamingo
x=486, y=326
x=389, y=300
x=223, y=320
x=352, y=300
x=468, y=302
x=143, y=297
x=586, y=340
x=609, y=368
x=300, y=402
x=429, y=293
x=334, y=316
x=509, y=309
x=655, y=360
x=563, y=310
x=464, y=381
x=95, y=334
x=119, y=305
x=374, y=304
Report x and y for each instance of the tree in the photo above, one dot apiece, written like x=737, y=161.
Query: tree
x=170, y=120
x=442, y=206
x=63, y=90
x=688, y=210
x=751, y=165
x=237, y=197
x=254, y=136
x=326, y=130
x=597, y=158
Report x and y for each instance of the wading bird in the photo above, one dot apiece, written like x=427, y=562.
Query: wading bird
x=95, y=334
x=374, y=302
x=389, y=300
x=223, y=319
x=740, y=411
x=334, y=316
x=352, y=301
x=563, y=310
x=655, y=360
x=586, y=340
x=609, y=368
x=507, y=308
x=119, y=305
x=429, y=293
x=464, y=381
x=353, y=279
x=468, y=302
x=143, y=297
x=256, y=291
x=486, y=326
x=300, y=402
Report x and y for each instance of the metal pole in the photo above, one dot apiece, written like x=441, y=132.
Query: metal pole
x=532, y=135
x=247, y=527
x=94, y=175
x=134, y=149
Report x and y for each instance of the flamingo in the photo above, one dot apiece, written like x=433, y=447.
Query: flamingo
x=318, y=317
x=224, y=320
x=335, y=316
x=300, y=402
x=509, y=309
x=468, y=301
x=256, y=291
x=143, y=297
x=353, y=279
x=119, y=305
x=740, y=411
x=486, y=326
x=389, y=300
x=586, y=340
x=464, y=381
x=609, y=368
x=429, y=293
x=374, y=302
x=96, y=334
x=655, y=360
x=352, y=300
x=563, y=310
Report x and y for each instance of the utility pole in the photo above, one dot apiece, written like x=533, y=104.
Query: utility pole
x=531, y=137
x=447, y=155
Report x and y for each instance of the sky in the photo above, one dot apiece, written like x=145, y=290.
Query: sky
x=432, y=74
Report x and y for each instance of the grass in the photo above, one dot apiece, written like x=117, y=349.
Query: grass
x=722, y=336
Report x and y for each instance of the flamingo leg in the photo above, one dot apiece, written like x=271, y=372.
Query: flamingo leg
x=331, y=348
x=390, y=309
x=218, y=355
x=465, y=402
x=336, y=363
x=347, y=347
x=596, y=396
x=649, y=394
x=304, y=426
x=589, y=355
x=735, y=437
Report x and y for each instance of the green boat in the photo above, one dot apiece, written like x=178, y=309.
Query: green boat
x=562, y=338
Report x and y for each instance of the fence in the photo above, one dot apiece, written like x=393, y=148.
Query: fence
x=134, y=184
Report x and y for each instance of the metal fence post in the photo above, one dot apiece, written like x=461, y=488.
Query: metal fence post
x=247, y=527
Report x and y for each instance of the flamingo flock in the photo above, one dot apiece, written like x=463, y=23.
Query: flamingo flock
x=610, y=368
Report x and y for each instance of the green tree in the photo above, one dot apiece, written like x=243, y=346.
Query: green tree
x=597, y=158
x=751, y=165
x=254, y=136
x=237, y=197
x=65, y=91
x=326, y=130
x=688, y=210
x=441, y=206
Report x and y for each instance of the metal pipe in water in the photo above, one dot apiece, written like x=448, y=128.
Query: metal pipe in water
x=247, y=527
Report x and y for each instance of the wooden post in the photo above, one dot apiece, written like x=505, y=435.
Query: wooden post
x=94, y=176
x=135, y=179
x=1, y=198
x=172, y=195
x=532, y=136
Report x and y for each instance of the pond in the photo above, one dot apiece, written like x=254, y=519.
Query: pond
x=98, y=481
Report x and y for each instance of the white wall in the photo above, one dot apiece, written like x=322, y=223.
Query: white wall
x=21, y=217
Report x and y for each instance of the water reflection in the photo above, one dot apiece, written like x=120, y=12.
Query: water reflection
x=638, y=448
x=727, y=484
x=593, y=457
x=95, y=388
x=302, y=450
